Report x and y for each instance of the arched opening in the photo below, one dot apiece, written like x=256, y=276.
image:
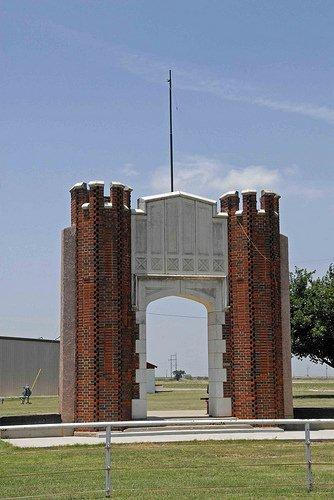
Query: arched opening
x=207, y=291
x=177, y=342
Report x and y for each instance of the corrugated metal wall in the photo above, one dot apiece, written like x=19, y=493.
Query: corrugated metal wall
x=20, y=361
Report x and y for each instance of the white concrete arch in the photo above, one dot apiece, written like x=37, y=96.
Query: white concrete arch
x=207, y=290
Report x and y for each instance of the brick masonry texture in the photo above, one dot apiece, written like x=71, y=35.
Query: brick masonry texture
x=253, y=329
x=105, y=329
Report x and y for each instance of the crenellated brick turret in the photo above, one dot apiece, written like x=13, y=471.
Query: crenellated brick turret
x=105, y=340
x=253, y=331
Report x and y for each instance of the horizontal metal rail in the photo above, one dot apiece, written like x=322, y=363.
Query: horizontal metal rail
x=167, y=423
x=108, y=426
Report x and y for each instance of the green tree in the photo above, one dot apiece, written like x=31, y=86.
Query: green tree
x=178, y=374
x=312, y=315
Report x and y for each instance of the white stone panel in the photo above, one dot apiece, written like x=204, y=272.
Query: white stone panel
x=140, y=236
x=172, y=227
x=141, y=375
x=203, y=229
x=215, y=332
x=143, y=390
x=220, y=407
x=217, y=374
x=142, y=360
x=216, y=318
x=141, y=317
x=216, y=389
x=215, y=360
x=188, y=224
x=139, y=408
x=141, y=346
x=178, y=234
x=156, y=226
x=150, y=381
x=142, y=332
x=216, y=346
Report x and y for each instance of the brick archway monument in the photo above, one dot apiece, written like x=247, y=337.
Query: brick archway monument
x=115, y=261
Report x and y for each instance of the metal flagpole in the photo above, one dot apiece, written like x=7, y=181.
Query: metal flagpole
x=171, y=132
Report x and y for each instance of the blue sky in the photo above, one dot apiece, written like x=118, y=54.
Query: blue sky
x=84, y=96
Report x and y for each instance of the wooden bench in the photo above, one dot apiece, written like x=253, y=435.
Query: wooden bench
x=207, y=403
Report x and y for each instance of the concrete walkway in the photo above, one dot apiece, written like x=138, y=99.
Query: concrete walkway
x=170, y=436
x=179, y=414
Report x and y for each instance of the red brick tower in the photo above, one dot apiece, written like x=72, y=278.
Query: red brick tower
x=105, y=326
x=253, y=331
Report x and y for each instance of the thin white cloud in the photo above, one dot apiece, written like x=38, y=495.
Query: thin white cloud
x=312, y=111
x=210, y=177
x=202, y=175
x=200, y=80
x=186, y=77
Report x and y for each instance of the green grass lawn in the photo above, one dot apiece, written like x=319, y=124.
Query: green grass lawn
x=186, y=395
x=191, y=470
x=313, y=392
x=177, y=400
x=184, y=383
x=39, y=404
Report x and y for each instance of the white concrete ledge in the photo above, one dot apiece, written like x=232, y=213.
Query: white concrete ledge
x=78, y=185
x=117, y=184
x=95, y=183
x=228, y=193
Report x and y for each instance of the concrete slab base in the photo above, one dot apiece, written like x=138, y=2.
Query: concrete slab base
x=178, y=414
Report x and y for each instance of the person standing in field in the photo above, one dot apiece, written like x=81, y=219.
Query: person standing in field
x=26, y=395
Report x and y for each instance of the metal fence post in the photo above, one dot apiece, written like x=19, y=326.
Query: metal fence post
x=108, y=461
x=309, y=475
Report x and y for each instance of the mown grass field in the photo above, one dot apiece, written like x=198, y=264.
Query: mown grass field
x=39, y=404
x=191, y=470
x=179, y=399
x=188, y=470
x=186, y=395
x=313, y=392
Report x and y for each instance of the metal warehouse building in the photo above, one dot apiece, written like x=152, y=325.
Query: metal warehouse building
x=20, y=361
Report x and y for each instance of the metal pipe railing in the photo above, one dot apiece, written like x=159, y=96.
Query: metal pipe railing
x=173, y=422
x=108, y=426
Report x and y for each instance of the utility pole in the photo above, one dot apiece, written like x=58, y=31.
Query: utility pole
x=172, y=363
x=171, y=132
